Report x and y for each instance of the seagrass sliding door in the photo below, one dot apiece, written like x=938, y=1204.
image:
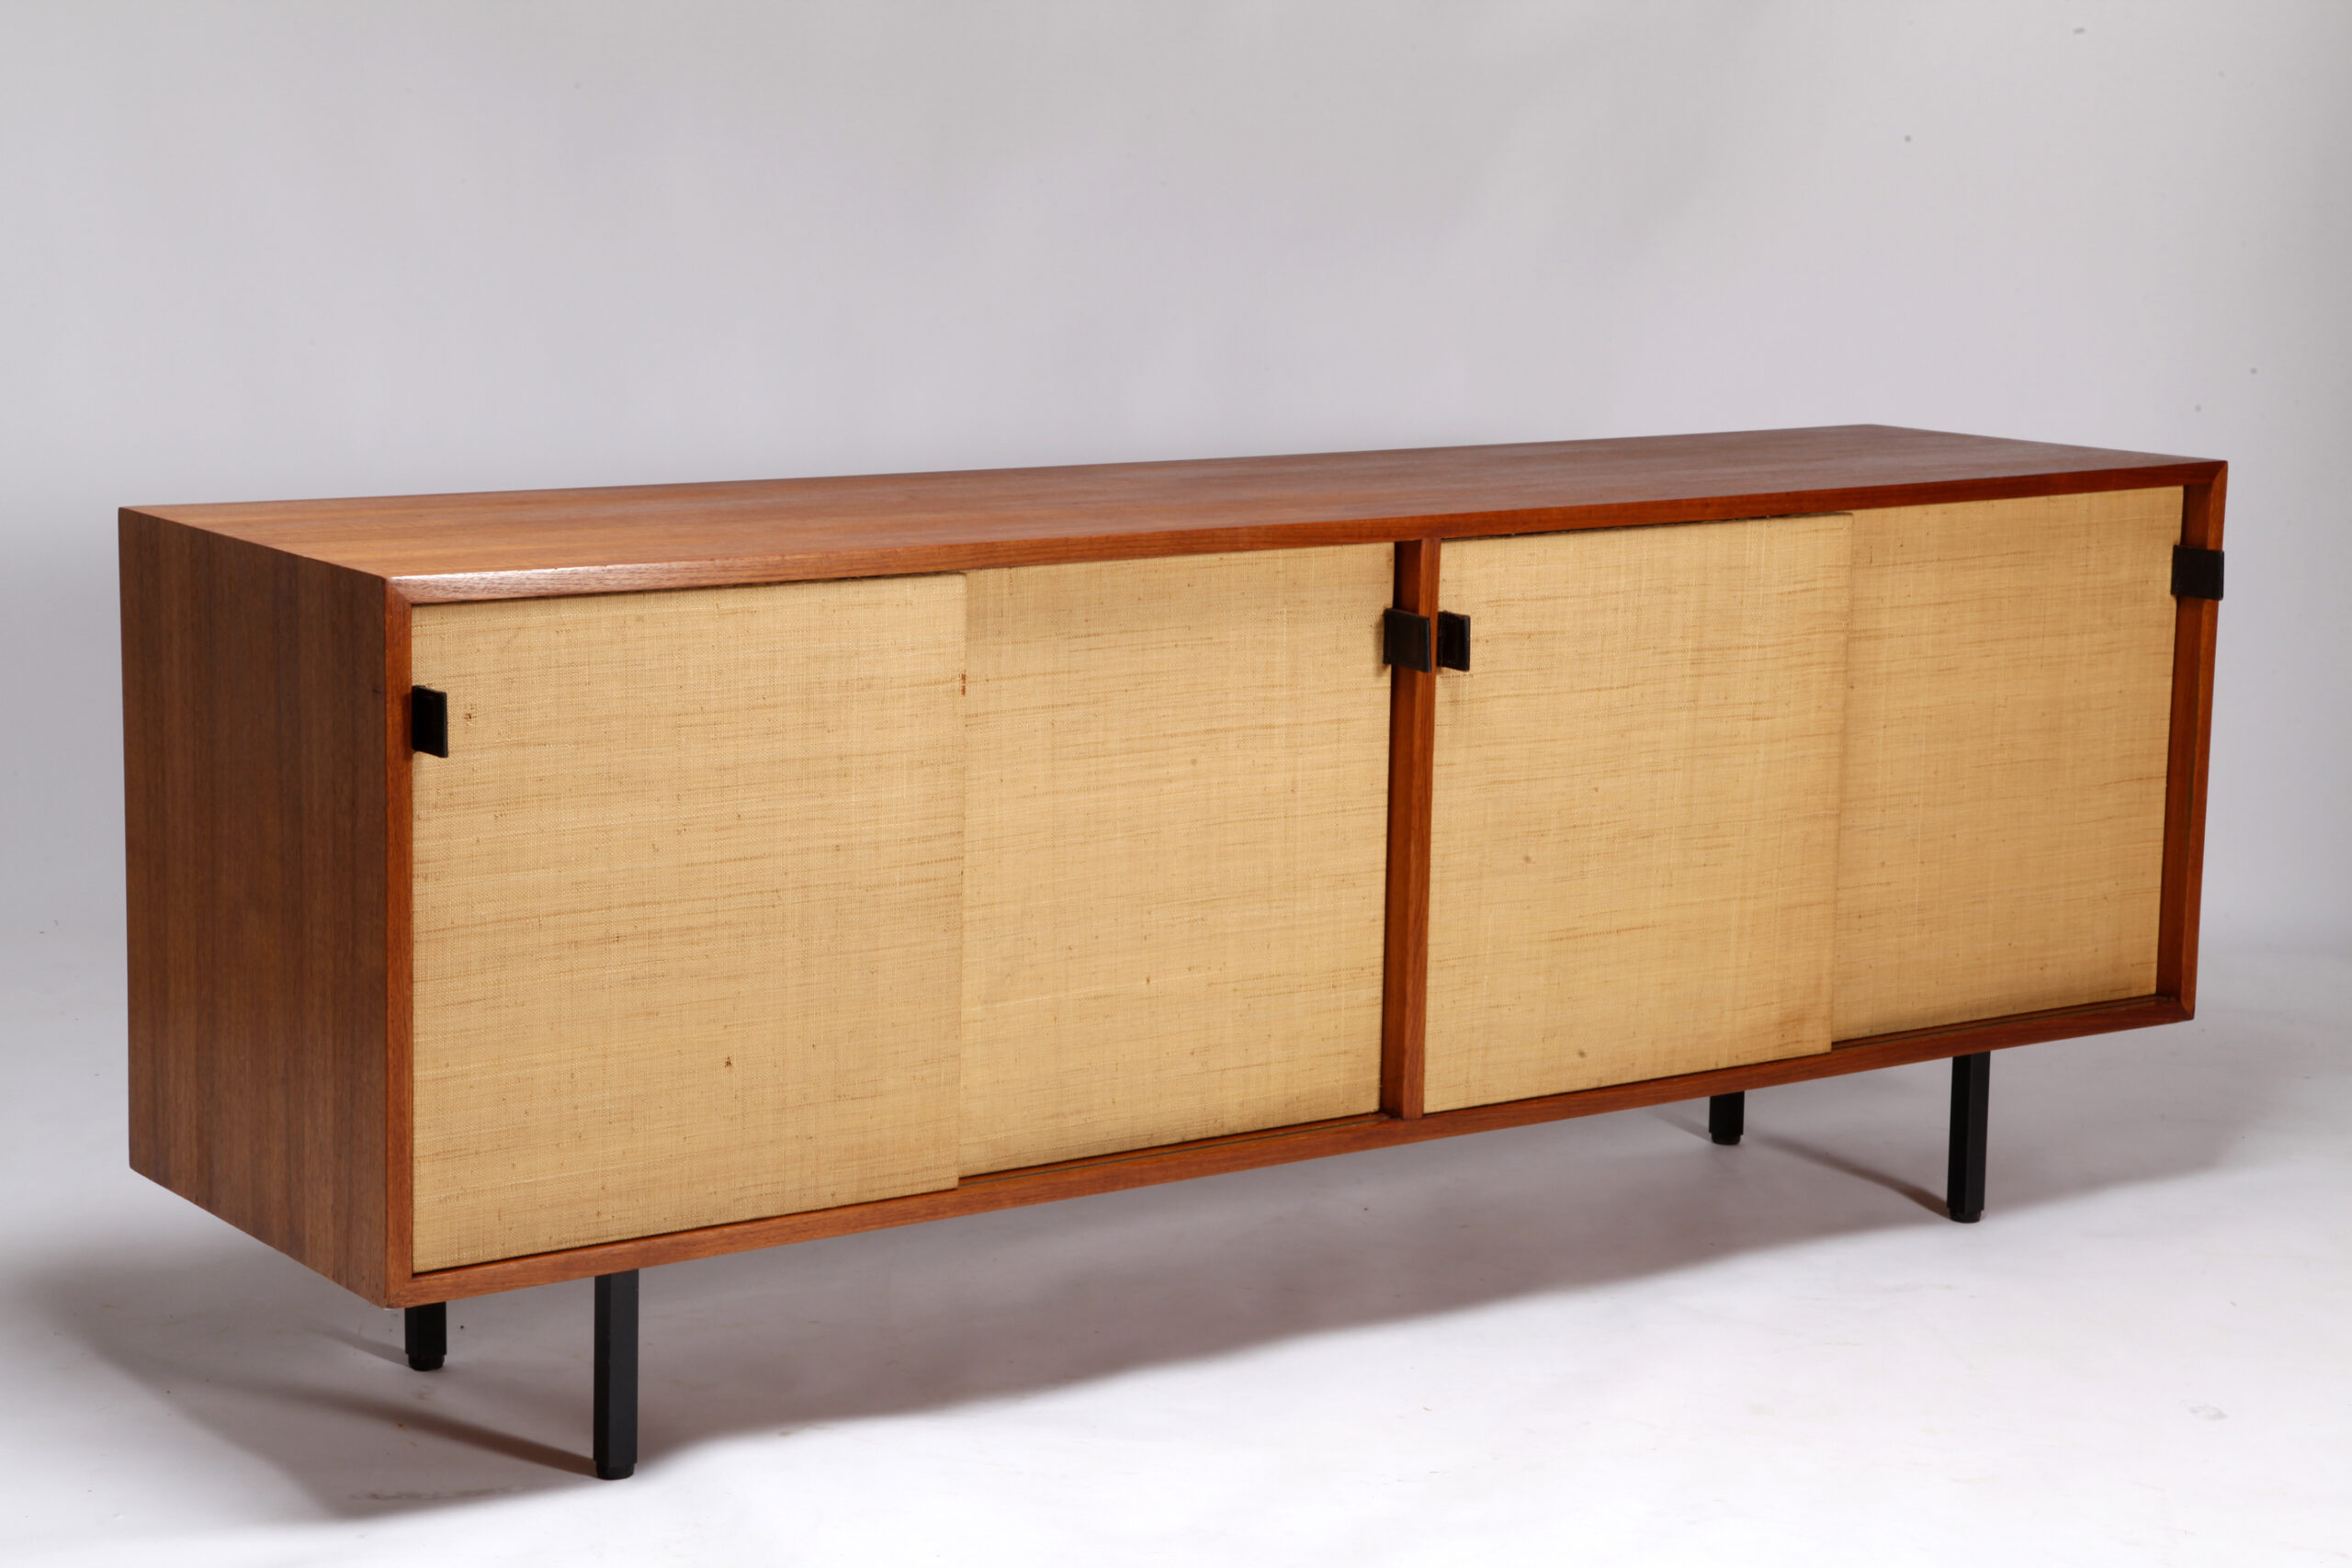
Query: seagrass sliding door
x=1175, y=849
x=688, y=905
x=734, y=903
x=1728, y=792
x=1633, y=853
x=2010, y=726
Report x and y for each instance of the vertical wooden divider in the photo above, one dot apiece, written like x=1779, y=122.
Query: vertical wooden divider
x=400, y=950
x=2192, y=733
x=1412, y=735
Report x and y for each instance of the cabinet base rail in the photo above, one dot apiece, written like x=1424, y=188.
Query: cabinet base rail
x=614, y=1422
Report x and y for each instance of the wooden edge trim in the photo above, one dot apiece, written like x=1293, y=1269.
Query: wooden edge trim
x=898, y=561
x=1412, y=736
x=400, y=939
x=2196, y=622
x=1248, y=1151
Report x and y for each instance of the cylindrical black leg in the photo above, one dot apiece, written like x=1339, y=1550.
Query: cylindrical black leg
x=1964, y=1184
x=1726, y=1117
x=615, y=1376
x=426, y=1329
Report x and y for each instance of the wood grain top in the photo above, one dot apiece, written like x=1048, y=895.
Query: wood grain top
x=527, y=543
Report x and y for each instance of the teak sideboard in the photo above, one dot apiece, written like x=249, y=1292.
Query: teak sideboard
x=542, y=885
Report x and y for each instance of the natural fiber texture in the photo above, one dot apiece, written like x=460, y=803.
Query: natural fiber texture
x=687, y=910
x=2005, y=775
x=1173, y=888
x=1632, y=865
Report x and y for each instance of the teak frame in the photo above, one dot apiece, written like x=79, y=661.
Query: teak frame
x=270, y=1029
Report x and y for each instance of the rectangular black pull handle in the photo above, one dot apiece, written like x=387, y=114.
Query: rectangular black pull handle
x=1453, y=641
x=428, y=721
x=1405, y=640
x=2196, y=574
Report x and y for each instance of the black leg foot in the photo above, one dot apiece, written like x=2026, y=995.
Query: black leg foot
x=1965, y=1185
x=615, y=1376
x=1726, y=1117
x=427, y=1331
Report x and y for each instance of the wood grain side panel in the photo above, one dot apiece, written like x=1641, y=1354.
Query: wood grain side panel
x=253, y=739
x=1633, y=847
x=2196, y=624
x=2002, y=846
x=688, y=901
x=1148, y=1167
x=1175, y=881
x=1412, y=734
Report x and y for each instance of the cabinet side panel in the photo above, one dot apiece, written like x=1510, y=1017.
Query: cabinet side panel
x=2002, y=848
x=1634, y=836
x=687, y=910
x=1174, y=899
x=253, y=753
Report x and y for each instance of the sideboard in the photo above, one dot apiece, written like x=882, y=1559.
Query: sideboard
x=549, y=885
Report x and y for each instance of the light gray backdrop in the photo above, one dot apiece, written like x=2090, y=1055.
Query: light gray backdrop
x=268, y=249
x=323, y=247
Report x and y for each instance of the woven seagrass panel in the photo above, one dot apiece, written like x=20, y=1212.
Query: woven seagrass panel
x=2008, y=718
x=1175, y=849
x=688, y=910
x=1634, y=823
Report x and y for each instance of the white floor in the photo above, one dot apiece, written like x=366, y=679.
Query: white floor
x=1596, y=1342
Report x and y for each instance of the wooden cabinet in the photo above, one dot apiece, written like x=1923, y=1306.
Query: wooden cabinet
x=826, y=855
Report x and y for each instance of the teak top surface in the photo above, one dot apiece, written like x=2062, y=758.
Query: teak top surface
x=523, y=544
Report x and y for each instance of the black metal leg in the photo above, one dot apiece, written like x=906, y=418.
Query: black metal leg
x=426, y=1328
x=1726, y=1117
x=1964, y=1184
x=615, y=1376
